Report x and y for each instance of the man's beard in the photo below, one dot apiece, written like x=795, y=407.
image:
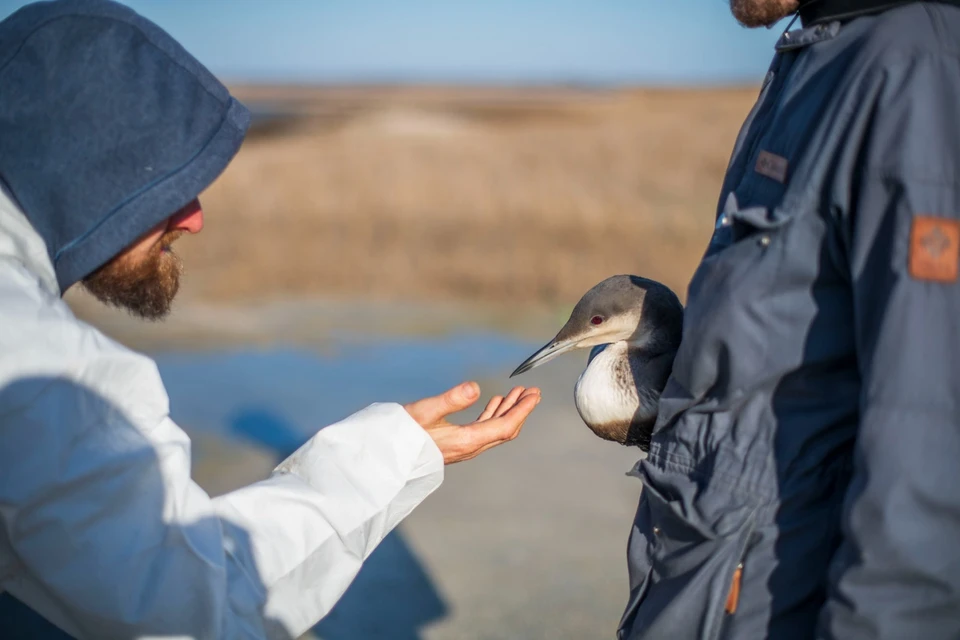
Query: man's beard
x=762, y=13
x=145, y=288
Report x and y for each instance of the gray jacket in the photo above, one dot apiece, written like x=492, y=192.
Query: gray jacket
x=804, y=475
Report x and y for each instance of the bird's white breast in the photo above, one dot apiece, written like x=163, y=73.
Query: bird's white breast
x=605, y=393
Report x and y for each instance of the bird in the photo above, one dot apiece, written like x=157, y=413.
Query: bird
x=633, y=326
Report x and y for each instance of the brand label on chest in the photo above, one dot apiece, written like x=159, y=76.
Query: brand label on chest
x=772, y=166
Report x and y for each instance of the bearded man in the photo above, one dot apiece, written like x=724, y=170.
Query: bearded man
x=802, y=480
x=109, y=131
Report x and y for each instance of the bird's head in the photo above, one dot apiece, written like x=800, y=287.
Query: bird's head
x=624, y=308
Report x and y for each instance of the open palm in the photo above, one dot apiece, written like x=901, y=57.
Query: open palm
x=499, y=422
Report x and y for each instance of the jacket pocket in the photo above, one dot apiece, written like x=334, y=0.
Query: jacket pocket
x=687, y=567
x=727, y=302
x=741, y=238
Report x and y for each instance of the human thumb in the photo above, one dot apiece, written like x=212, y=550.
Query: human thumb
x=430, y=410
x=458, y=398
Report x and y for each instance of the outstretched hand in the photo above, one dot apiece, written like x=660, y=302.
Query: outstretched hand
x=499, y=422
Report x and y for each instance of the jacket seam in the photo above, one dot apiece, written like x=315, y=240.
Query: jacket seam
x=935, y=25
x=139, y=192
x=904, y=407
x=892, y=173
x=674, y=462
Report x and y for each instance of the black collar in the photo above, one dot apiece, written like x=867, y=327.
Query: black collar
x=816, y=11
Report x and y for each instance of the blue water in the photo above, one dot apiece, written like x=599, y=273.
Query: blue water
x=278, y=397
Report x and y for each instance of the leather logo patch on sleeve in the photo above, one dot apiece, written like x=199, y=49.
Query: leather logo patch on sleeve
x=772, y=166
x=934, y=249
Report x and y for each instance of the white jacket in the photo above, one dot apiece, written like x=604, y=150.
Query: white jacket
x=103, y=531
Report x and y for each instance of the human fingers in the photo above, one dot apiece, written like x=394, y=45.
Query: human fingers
x=507, y=426
x=490, y=408
x=509, y=401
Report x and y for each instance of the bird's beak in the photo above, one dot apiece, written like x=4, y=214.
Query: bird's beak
x=550, y=351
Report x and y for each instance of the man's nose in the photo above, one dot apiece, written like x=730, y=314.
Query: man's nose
x=189, y=218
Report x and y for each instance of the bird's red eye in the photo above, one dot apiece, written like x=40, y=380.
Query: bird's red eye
x=596, y=320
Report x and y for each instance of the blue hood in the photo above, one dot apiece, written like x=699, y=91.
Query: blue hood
x=107, y=127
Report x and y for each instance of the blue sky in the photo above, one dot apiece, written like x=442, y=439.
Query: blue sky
x=593, y=41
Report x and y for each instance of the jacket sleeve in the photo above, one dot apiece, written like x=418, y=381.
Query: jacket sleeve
x=897, y=572
x=112, y=539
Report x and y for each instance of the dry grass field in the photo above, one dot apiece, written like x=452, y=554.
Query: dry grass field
x=488, y=195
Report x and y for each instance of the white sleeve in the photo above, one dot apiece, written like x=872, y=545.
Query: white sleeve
x=105, y=534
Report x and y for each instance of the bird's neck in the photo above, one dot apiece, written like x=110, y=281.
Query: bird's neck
x=648, y=345
x=620, y=388
x=605, y=395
